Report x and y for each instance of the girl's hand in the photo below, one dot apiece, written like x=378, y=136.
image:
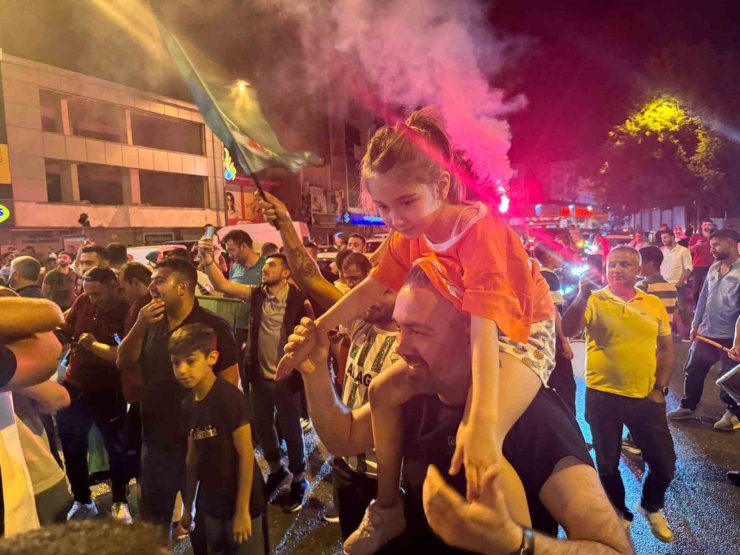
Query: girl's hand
x=477, y=449
x=186, y=524
x=242, y=526
x=307, y=347
x=273, y=209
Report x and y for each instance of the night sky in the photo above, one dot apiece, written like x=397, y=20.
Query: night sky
x=582, y=65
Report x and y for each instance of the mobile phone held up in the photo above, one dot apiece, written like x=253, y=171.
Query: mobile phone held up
x=210, y=232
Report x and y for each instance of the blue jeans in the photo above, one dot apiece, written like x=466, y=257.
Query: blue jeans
x=220, y=540
x=702, y=357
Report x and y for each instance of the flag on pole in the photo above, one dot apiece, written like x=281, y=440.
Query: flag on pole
x=232, y=112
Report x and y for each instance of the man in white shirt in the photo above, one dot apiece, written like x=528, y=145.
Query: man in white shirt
x=675, y=269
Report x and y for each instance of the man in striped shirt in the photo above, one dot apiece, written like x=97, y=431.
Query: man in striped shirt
x=653, y=282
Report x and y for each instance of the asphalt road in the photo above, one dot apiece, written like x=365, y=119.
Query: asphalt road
x=701, y=506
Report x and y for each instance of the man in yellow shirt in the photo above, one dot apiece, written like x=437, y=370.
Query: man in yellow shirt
x=629, y=360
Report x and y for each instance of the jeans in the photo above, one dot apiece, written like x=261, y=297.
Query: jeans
x=606, y=413
x=352, y=495
x=562, y=380
x=107, y=409
x=701, y=358
x=219, y=536
x=267, y=398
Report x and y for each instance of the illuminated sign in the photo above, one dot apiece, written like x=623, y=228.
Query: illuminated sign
x=361, y=219
x=229, y=167
x=4, y=213
x=577, y=212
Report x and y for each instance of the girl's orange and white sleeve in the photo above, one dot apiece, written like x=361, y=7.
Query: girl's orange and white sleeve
x=395, y=263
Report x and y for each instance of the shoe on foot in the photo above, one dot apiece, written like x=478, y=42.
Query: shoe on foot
x=630, y=447
x=274, y=481
x=734, y=477
x=296, y=496
x=120, y=511
x=379, y=526
x=728, y=423
x=82, y=511
x=330, y=513
x=658, y=525
x=680, y=414
x=306, y=424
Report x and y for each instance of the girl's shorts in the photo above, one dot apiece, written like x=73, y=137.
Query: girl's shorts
x=538, y=353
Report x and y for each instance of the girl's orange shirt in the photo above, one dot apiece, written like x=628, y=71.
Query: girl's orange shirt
x=501, y=283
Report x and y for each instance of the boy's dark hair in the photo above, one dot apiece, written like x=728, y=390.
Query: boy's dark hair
x=179, y=252
x=191, y=338
x=358, y=236
x=96, y=249
x=542, y=251
x=101, y=275
x=356, y=259
x=666, y=231
x=339, y=260
x=135, y=270
x=651, y=254
x=269, y=249
x=117, y=253
x=184, y=268
x=726, y=233
x=239, y=237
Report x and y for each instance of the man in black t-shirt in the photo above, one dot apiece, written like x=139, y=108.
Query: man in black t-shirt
x=220, y=460
x=164, y=437
x=545, y=446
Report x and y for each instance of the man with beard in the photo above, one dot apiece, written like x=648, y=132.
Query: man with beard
x=276, y=307
x=59, y=284
x=164, y=436
x=717, y=312
x=372, y=349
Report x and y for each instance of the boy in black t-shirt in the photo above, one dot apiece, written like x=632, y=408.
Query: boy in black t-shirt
x=220, y=460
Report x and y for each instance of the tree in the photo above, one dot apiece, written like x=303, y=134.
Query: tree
x=662, y=155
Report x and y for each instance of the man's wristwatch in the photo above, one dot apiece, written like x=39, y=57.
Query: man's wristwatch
x=662, y=389
x=527, y=547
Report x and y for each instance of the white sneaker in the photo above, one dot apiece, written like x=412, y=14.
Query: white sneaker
x=658, y=525
x=82, y=511
x=306, y=424
x=680, y=414
x=120, y=511
x=728, y=422
x=378, y=527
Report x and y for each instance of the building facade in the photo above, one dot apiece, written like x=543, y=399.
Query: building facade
x=133, y=166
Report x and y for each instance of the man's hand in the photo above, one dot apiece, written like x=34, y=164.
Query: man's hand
x=692, y=334
x=151, y=313
x=587, y=284
x=476, y=449
x=273, y=209
x=205, y=247
x=306, y=348
x=86, y=340
x=734, y=353
x=566, y=348
x=484, y=526
x=656, y=396
x=242, y=526
x=186, y=524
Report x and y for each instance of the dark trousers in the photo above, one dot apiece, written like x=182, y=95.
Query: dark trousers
x=698, y=275
x=132, y=442
x=562, y=380
x=107, y=410
x=220, y=539
x=267, y=398
x=353, y=492
x=606, y=413
x=162, y=476
x=701, y=358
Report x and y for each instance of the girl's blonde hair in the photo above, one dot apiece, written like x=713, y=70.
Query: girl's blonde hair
x=421, y=145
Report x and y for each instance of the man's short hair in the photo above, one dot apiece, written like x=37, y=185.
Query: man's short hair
x=627, y=248
x=359, y=260
x=135, y=270
x=183, y=268
x=542, y=251
x=101, y=275
x=239, y=238
x=96, y=249
x=339, y=259
x=651, y=254
x=179, y=252
x=357, y=236
x=664, y=231
x=724, y=233
x=191, y=338
x=117, y=253
x=280, y=256
x=88, y=537
x=269, y=249
x=310, y=245
x=27, y=267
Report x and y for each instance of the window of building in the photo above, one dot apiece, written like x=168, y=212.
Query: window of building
x=101, y=184
x=51, y=111
x=97, y=120
x=54, y=180
x=167, y=133
x=171, y=189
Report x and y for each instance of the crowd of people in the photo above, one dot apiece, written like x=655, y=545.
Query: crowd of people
x=442, y=363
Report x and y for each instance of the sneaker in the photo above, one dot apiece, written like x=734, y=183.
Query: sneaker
x=330, y=513
x=120, y=511
x=734, y=477
x=658, y=525
x=306, y=425
x=680, y=414
x=630, y=447
x=274, y=481
x=82, y=511
x=378, y=527
x=296, y=497
x=728, y=422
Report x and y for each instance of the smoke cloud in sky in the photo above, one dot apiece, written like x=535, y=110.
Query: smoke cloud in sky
x=414, y=53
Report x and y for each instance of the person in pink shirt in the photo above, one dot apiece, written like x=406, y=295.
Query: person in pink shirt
x=701, y=254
